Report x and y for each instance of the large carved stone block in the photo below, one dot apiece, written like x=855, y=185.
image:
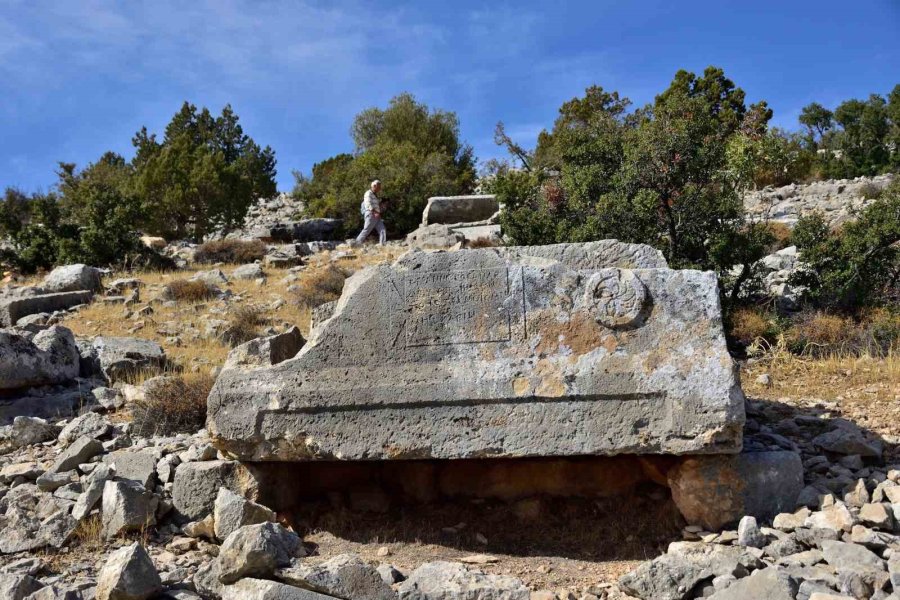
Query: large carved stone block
x=573, y=349
x=459, y=209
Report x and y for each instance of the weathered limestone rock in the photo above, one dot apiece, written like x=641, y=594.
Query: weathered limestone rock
x=263, y=589
x=769, y=583
x=249, y=271
x=344, y=576
x=851, y=557
x=459, y=209
x=71, y=278
x=127, y=506
x=121, y=356
x=256, y=551
x=213, y=277
x=573, y=349
x=197, y=484
x=134, y=465
x=17, y=587
x=749, y=533
x=593, y=255
x=79, y=451
x=33, y=520
x=673, y=575
x=435, y=236
x=26, y=431
x=14, y=308
x=91, y=424
x=128, y=574
x=93, y=491
x=443, y=580
x=714, y=491
x=266, y=351
x=49, y=357
x=231, y=512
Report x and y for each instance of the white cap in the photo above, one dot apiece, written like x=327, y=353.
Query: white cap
x=374, y=183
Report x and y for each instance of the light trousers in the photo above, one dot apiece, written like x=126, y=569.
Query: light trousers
x=376, y=223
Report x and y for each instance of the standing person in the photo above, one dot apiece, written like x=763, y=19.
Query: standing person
x=371, y=211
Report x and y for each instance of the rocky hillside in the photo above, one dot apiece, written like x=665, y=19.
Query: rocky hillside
x=835, y=198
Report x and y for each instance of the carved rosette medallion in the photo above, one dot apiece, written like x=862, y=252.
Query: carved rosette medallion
x=615, y=297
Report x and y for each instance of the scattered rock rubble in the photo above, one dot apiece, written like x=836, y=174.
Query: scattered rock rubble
x=835, y=198
x=89, y=508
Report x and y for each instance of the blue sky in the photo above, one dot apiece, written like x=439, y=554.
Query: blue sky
x=78, y=78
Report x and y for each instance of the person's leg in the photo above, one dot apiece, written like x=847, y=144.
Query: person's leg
x=366, y=230
x=382, y=232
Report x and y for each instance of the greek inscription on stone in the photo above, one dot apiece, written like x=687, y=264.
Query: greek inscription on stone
x=456, y=307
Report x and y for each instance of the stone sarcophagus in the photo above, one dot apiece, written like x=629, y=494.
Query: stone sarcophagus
x=571, y=349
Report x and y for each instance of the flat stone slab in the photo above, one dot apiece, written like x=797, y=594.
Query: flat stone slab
x=13, y=309
x=572, y=349
x=459, y=209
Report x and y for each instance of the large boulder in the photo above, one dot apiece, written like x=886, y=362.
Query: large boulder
x=675, y=574
x=134, y=465
x=266, y=351
x=196, y=486
x=249, y=271
x=715, y=491
x=448, y=580
x=92, y=491
x=80, y=451
x=18, y=587
x=344, y=576
x=459, y=209
x=120, y=357
x=127, y=506
x=263, y=589
x=573, y=349
x=26, y=431
x=128, y=574
x=231, y=512
x=48, y=357
x=256, y=551
x=435, y=236
x=90, y=424
x=770, y=583
x=70, y=278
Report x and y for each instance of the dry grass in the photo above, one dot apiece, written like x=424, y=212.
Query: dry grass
x=172, y=404
x=483, y=242
x=230, y=251
x=875, y=333
x=243, y=325
x=320, y=286
x=183, y=290
x=782, y=234
x=196, y=351
x=88, y=534
x=866, y=388
x=822, y=334
x=748, y=325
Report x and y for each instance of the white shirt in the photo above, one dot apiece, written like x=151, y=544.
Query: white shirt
x=371, y=203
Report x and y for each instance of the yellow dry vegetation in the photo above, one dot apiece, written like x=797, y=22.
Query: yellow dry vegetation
x=179, y=326
x=865, y=388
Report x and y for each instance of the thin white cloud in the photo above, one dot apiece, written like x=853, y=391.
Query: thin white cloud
x=235, y=43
